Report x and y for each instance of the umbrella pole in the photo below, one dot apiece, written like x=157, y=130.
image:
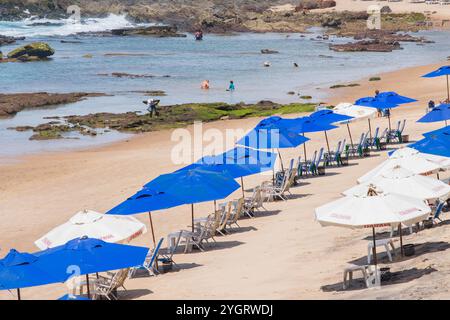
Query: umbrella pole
x=242, y=187
x=328, y=145
x=389, y=119
x=281, y=159
x=215, y=205
x=370, y=130
x=87, y=285
x=192, y=216
x=374, y=247
x=448, y=91
x=400, y=232
x=151, y=227
x=18, y=294
x=437, y=174
x=350, y=135
x=304, y=148
x=273, y=172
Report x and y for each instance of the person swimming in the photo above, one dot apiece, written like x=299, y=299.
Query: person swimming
x=205, y=85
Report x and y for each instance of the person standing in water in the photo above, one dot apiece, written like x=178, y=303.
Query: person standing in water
x=205, y=85
x=231, y=87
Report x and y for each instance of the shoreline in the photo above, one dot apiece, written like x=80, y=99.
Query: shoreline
x=334, y=96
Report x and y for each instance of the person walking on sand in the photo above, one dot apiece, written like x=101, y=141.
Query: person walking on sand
x=151, y=107
x=205, y=85
x=379, y=111
x=231, y=87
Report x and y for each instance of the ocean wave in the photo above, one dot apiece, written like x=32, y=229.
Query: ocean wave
x=34, y=27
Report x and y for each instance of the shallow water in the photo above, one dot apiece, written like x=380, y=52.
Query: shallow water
x=186, y=63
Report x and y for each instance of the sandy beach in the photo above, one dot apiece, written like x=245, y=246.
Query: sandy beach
x=281, y=254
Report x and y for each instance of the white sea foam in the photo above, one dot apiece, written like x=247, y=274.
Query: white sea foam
x=64, y=27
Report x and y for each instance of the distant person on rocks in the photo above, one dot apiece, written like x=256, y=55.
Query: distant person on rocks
x=151, y=107
x=231, y=87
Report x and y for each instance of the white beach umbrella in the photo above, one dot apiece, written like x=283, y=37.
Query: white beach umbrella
x=402, y=181
x=357, y=112
x=374, y=209
x=414, y=163
x=443, y=162
x=106, y=227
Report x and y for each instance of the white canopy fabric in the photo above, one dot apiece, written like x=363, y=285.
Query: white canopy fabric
x=358, y=112
x=106, y=227
x=404, y=182
x=443, y=162
x=379, y=210
x=414, y=163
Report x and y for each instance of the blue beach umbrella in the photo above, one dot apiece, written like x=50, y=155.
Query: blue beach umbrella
x=195, y=186
x=304, y=125
x=391, y=97
x=433, y=145
x=238, y=162
x=146, y=201
x=442, y=71
x=73, y=297
x=372, y=102
x=438, y=113
x=445, y=131
x=21, y=270
x=329, y=117
x=86, y=255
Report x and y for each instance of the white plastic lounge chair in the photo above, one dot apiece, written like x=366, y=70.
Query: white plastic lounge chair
x=381, y=243
x=279, y=192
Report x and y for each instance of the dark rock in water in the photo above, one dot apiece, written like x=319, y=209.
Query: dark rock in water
x=154, y=31
x=70, y=41
x=130, y=75
x=46, y=24
x=268, y=51
x=5, y=40
x=35, y=49
x=366, y=46
x=10, y=104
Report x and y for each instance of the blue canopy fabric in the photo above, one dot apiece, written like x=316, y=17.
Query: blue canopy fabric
x=442, y=71
x=328, y=117
x=85, y=255
x=195, y=185
x=391, y=97
x=73, y=297
x=372, y=102
x=21, y=270
x=271, y=138
x=147, y=200
x=438, y=113
x=445, y=132
x=237, y=162
x=433, y=145
x=307, y=124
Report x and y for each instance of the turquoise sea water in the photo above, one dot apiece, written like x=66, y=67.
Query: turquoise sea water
x=178, y=66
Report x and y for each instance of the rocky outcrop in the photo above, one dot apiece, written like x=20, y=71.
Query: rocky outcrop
x=366, y=46
x=153, y=31
x=10, y=104
x=315, y=4
x=5, y=40
x=36, y=51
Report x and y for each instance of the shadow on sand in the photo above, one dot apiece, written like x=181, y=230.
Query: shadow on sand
x=398, y=277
